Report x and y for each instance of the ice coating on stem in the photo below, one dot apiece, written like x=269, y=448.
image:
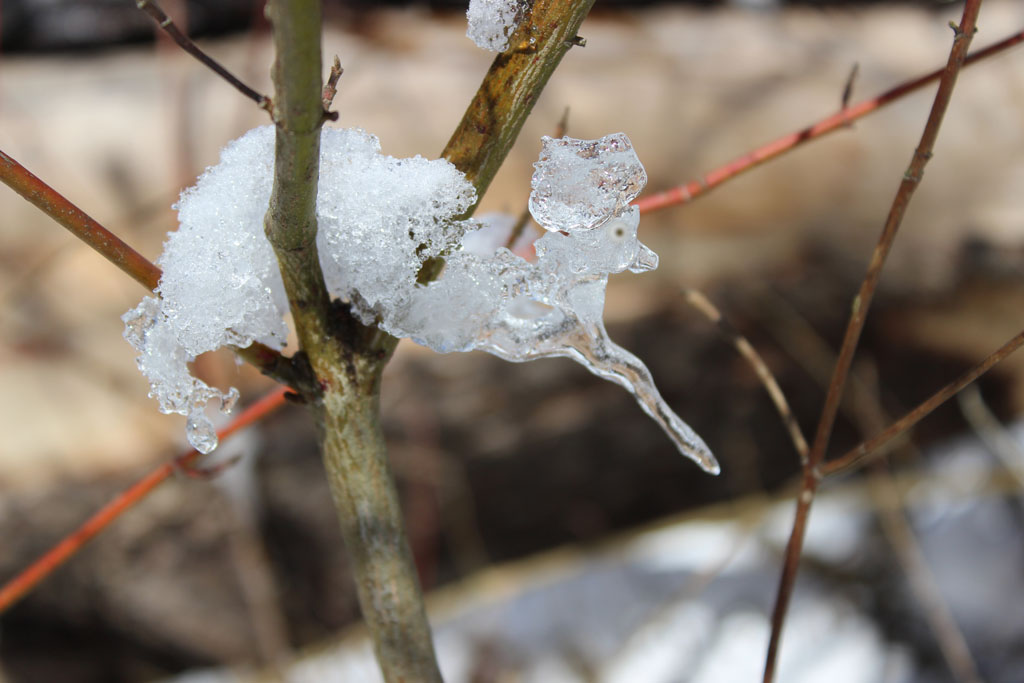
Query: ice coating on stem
x=491, y=22
x=380, y=219
x=490, y=299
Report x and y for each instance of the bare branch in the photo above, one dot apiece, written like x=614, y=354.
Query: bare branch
x=683, y=194
x=167, y=24
x=118, y=252
x=861, y=304
x=874, y=447
x=331, y=89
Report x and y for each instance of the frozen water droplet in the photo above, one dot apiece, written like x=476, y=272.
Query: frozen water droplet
x=200, y=431
x=579, y=184
x=228, y=400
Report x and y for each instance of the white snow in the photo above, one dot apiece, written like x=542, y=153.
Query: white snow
x=380, y=219
x=491, y=22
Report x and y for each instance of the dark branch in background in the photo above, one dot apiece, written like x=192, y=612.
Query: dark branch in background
x=861, y=304
x=167, y=24
x=851, y=80
x=683, y=194
x=873, y=447
x=115, y=250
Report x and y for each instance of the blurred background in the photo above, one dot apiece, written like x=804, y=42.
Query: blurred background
x=560, y=535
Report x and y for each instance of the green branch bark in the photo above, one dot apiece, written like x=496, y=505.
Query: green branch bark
x=346, y=357
x=346, y=404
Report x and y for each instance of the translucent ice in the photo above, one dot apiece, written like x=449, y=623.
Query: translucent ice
x=491, y=22
x=578, y=184
x=380, y=219
x=493, y=300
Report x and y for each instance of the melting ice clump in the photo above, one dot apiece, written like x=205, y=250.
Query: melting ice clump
x=491, y=22
x=380, y=219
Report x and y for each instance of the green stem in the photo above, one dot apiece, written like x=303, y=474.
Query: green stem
x=372, y=526
x=346, y=357
x=346, y=403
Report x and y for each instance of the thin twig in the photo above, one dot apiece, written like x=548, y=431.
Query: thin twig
x=872, y=448
x=117, y=251
x=851, y=80
x=992, y=433
x=167, y=24
x=861, y=304
x=20, y=585
x=685, y=193
x=57, y=207
x=747, y=350
x=331, y=88
x=863, y=406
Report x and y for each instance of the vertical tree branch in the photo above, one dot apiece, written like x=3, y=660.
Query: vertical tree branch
x=858, y=315
x=346, y=405
x=348, y=358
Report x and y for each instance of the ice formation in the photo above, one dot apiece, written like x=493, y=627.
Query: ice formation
x=491, y=22
x=380, y=219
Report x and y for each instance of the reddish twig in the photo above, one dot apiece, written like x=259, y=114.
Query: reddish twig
x=117, y=251
x=186, y=44
x=57, y=207
x=861, y=304
x=685, y=193
x=20, y=585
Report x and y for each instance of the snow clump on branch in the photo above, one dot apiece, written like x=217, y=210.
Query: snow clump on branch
x=380, y=219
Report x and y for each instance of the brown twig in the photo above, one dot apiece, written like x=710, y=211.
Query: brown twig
x=167, y=24
x=863, y=406
x=683, y=194
x=911, y=179
x=117, y=251
x=331, y=89
x=858, y=455
x=20, y=585
x=747, y=350
x=57, y=207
